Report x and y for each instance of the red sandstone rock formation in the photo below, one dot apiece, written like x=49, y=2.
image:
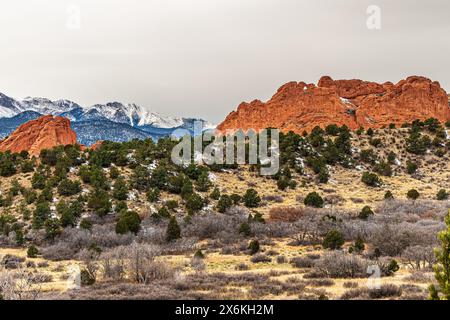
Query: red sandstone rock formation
x=45, y=132
x=96, y=145
x=355, y=103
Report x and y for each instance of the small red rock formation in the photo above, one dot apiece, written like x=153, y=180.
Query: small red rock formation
x=355, y=103
x=45, y=132
x=96, y=145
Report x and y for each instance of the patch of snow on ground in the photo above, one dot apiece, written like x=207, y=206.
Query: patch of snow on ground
x=152, y=166
x=132, y=196
x=346, y=101
x=300, y=161
x=212, y=177
x=6, y=113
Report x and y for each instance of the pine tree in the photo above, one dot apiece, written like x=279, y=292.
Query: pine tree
x=359, y=245
x=129, y=221
x=41, y=214
x=324, y=175
x=114, y=173
x=7, y=167
x=173, y=231
x=52, y=228
x=413, y=194
x=199, y=254
x=99, y=202
x=76, y=208
x=194, y=203
x=68, y=187
x=86, y=224
x=313, y=199
x=333, y=240
x=27, y=166
x=442, y=268
x=203, y=183
x=442, y=195
x=159, y=177
x=187, y=189
x=365, y=213
x=66, y=216
x=224, y=203
x=251, y=198
x=38, y=181
x=411, y=167
x=371, y=179
x=98, y=178
x=236, y=199
x=163, y=213
x=254, y=247
x=215, y=195
x=245, y=229
x=388, y=195
x=46, y=194
x=120, y=189
x=175, y=183
x=32, y=252
x=153, y=194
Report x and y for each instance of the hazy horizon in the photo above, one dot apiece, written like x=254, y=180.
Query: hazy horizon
x=201, y=58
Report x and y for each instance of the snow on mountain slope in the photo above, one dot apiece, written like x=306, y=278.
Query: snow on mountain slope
x=159, y=121
x=9, y=124
x=6, y=113
x=113, y=111
x=8, y=106
x=47, y=106
x=89, y=132
x=131, y=114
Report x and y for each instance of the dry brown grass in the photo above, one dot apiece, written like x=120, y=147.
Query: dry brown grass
x=286, y=214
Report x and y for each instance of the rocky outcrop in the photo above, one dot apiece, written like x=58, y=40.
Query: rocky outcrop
x=45, y=132
x=96, y=145
x=355, y=103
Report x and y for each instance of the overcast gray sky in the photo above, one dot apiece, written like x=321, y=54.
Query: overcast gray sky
x=203, y=57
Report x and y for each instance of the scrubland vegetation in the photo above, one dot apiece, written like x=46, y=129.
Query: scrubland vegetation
x=124, y=222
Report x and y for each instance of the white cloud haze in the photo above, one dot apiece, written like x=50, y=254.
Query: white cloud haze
x=203, y=57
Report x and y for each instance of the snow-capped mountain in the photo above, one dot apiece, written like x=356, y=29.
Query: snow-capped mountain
x=8, y=107
x=98, y=122
x=46, y=106
x=131, y=114
x=89, y=132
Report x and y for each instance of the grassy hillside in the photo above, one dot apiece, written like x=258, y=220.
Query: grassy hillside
x=342, y=201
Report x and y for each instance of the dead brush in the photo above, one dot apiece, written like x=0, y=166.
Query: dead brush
x=286, y=214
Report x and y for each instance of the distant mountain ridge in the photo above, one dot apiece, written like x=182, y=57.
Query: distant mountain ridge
x=111, y=121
